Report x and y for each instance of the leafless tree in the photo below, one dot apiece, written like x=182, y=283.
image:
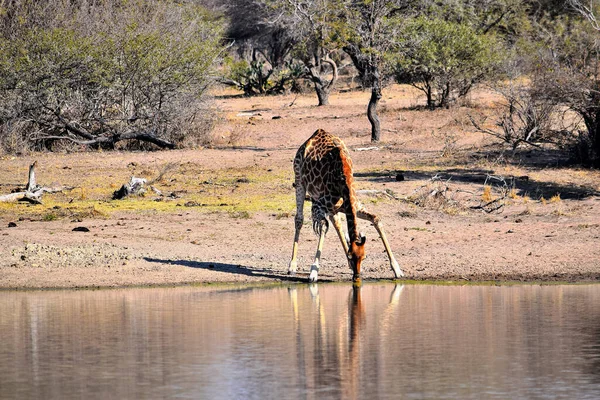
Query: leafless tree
x=523, y=118
x=311, y=21
x=588, y=9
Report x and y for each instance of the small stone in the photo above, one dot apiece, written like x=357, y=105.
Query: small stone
x=12, y=224
x=80, y=229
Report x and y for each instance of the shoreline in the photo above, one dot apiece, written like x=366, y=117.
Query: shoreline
x=275, y=283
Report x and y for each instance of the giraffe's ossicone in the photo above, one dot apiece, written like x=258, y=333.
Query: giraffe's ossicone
x=323, y=172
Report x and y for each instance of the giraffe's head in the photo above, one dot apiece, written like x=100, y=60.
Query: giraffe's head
x=356, y=255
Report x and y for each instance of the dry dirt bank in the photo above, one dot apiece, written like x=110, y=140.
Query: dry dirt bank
x=227, y=211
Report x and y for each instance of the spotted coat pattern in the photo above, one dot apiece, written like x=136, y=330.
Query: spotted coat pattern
x=323, y=169
x=323, y=173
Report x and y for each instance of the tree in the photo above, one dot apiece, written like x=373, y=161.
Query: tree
x=369, y=29
x=258, y=32
x=567, y=74
x=264, y=43
x=312, y=23
x=522, y=117
x=443, y=59
x=101, y=73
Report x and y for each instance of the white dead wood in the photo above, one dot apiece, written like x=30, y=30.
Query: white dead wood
x=587, y=9
x=366, y=148
x=135, y=186
x=32, y=192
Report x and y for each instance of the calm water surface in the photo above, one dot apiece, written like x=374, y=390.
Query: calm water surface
x=325, y=341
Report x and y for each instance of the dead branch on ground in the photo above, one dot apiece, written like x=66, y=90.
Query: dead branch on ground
x=135, y=186
x=32, y=192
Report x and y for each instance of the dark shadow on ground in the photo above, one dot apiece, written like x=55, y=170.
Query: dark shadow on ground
x=253, y=148
x=234, y=269
x=531, y=158
x=524, y=185
x=231, y=96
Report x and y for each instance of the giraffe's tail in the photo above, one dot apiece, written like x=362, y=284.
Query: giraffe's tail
x=319, y=225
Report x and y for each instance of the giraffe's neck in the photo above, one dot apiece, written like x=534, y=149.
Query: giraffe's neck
x=350, y=199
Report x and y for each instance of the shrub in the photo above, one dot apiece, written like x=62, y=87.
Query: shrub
x=444, y=59
x=96, y=75
x=258, y=77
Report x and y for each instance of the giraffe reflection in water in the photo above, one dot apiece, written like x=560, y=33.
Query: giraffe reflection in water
x=338, y=346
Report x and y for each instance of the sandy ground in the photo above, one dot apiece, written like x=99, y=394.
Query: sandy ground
x=228, y=215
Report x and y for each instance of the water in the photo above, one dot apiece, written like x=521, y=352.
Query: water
x=325, y=341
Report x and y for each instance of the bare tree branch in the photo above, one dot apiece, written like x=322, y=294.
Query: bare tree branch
x=587, y=10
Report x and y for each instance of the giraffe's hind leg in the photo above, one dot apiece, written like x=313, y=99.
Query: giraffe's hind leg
x=320, y=226
x=374, y=219
x=314, y=268
x=299, y=220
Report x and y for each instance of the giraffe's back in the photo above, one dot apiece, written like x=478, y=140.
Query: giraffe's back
x=323, y=166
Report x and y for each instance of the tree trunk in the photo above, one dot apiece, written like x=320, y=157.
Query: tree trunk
x=322, y=88
x=322, y=94
x=31, y=184
x=445, y=97
x=368, y=71
x=372, y=111
x=593, y=126
x=429, y=92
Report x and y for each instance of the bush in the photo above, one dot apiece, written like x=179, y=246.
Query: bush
x=522, y=117
x=443, y=59
x=99, y=75
x=258, y=77
x=567, y=74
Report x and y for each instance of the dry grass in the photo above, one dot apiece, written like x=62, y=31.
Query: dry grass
x=487, y=194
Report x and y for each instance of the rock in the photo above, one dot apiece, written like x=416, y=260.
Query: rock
x=12, y=225
x=80, y=229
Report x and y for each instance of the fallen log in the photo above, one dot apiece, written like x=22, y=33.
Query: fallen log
x=33, y=192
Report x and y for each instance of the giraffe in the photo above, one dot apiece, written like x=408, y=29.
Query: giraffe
x=323, y=170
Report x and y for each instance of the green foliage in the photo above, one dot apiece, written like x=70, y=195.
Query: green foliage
x=99, y=75
x=444, y=59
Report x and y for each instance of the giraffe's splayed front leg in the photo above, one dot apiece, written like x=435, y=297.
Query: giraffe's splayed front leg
x=362, y=213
